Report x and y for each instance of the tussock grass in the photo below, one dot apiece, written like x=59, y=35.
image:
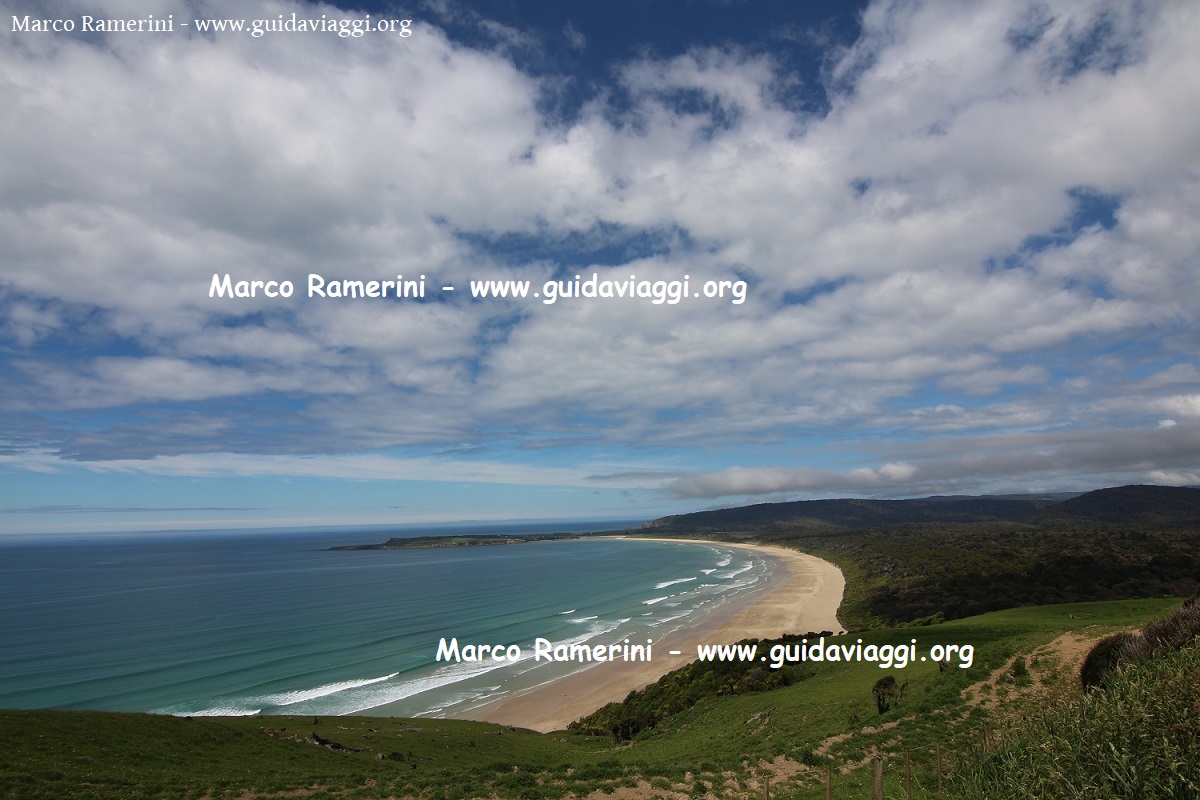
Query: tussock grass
x=1137, y=737
x=1163, y=636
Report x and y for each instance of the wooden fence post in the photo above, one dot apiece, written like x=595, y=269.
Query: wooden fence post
x=829, y=783
x=939, y=770
x=878, y=777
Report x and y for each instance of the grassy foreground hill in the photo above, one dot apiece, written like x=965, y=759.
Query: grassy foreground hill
x=791, y=737
x=1134, y=732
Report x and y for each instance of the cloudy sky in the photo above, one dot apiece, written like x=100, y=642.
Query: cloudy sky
x=969, y=235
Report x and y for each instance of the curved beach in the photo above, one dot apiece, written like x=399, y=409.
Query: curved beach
x=802, y=596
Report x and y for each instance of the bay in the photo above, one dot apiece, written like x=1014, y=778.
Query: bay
x=254, y=623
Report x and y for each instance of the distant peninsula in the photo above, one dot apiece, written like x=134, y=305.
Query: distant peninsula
x=467, y=540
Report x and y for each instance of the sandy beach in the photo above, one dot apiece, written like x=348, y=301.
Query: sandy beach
x=802, y=596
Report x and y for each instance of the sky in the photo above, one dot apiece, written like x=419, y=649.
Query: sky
x=953, y=248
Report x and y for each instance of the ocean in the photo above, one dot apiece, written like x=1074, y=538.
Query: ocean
x=252, y=623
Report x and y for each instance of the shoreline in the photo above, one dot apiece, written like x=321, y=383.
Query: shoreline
x=803, y=596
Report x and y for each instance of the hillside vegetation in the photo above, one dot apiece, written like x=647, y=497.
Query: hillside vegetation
x=908, y=561
x=1135, y=733
x=1119, y=505
x=720, y=746
x=1012, y=723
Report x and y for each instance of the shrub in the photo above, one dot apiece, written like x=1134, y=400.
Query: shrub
x=1176, y=629
x=885, y=693
x=1109, y=655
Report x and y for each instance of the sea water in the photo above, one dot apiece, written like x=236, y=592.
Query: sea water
x=242, y=624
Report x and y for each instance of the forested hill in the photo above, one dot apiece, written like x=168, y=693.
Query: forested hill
x=1129, y=505
x=952, y=557
x=1157, y=505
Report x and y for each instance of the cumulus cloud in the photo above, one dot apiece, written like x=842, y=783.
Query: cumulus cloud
x=920, y=256
x=972, y=463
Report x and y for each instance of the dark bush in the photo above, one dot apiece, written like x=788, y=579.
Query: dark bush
x=1177, y=629
x=885, y=693
x=1109, y=655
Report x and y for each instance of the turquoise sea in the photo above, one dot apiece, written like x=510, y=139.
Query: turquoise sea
x=254, y=623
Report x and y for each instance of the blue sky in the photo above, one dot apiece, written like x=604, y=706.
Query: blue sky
x=969, y=236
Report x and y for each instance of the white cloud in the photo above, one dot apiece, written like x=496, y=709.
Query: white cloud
x=358, y=466
x=971, y=463
x=887, y=243
x=1170, y=478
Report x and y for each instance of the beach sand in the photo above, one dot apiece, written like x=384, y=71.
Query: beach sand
x=802, y=597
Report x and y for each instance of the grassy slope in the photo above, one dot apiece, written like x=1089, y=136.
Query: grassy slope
x=1139, y=737
x=716, y=745
x=796, y=720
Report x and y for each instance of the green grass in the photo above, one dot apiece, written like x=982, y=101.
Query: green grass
x=93, y=754
x=1137, y=738
x=715, y=746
